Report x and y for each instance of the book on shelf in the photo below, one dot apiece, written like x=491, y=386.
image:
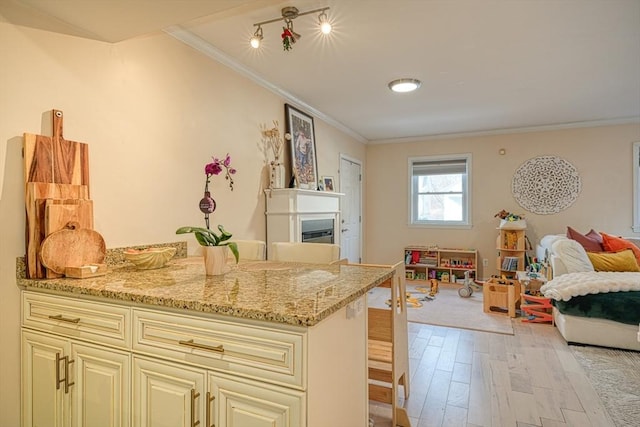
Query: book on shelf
x=510, y=263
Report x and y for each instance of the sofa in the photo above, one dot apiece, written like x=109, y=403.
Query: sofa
x=594, y=288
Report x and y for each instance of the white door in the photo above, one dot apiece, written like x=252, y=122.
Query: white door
x=101, y=396
x=167, y=395
x=351, y=209
x=244, y=403
x=44, y=404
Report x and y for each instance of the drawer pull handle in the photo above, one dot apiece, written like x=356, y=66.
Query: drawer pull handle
x=190, y=343
x=64, y=319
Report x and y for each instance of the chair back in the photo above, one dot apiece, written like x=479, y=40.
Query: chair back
x=250, y=250
x=316, y=253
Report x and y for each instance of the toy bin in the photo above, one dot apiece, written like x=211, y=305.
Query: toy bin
x=501, y=296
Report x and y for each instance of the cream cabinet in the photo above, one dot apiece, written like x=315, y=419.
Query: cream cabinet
x=44, y=402
x=67, y=383
x=76, y=362
x=87, y=363
x=170, y=394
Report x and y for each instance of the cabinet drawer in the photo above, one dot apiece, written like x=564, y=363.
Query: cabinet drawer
x=88, y=320
x=251, y=350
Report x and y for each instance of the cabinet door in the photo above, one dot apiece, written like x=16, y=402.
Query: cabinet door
x=43, y=403
x=245, y=403
x=100, y=395
x=167, y=394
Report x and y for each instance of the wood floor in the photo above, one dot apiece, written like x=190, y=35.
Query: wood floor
x=469, y=378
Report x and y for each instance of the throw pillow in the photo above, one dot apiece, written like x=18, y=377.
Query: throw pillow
x=591, y=242
x=614, y=244
x=572, y=255
x=614, y=261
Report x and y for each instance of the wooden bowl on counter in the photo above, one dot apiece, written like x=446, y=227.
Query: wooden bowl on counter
x=150, y=258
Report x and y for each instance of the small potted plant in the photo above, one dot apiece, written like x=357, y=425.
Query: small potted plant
x=214, y=244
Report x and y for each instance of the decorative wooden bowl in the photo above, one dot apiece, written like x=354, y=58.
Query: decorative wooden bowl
x=150, y=258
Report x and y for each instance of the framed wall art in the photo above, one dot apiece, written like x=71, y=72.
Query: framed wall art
x=304, y=162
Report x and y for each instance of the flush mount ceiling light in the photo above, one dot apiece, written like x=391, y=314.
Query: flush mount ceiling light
x=289, y=37
x=404, y=85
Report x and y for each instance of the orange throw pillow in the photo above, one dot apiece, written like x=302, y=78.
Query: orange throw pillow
x=615, y=244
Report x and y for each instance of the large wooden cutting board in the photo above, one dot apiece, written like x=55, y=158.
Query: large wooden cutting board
x=72, y=247
x=54, y=159
x=54, y=168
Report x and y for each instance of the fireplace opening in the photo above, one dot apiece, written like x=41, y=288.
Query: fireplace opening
x=317, y=230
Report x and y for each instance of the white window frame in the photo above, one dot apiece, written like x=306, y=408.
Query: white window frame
x=636, y=187
x=466, y=193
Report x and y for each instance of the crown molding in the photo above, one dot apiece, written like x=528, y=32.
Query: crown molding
x=528, y=129
x=211, y=51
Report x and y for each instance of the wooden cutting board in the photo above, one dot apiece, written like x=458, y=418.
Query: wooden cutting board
x=72, y=247
x=54, y=159
x=54, y=168
x=59, y=212
x=35, y=227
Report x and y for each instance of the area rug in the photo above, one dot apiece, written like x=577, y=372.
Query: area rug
x=615, y=376
x=448, y=309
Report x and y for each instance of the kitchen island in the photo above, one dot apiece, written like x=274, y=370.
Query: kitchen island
x=266, y=344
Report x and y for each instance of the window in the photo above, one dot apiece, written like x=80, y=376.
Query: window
x=440, y=190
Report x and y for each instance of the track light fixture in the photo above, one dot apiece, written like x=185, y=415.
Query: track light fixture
x=289, y=36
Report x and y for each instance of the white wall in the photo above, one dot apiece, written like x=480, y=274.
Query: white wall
x=153, y=112
x=602, y=156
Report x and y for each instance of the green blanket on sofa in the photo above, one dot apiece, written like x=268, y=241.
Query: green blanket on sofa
x=623, y=307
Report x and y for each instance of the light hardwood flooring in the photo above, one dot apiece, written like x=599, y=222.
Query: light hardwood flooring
x=469, y=378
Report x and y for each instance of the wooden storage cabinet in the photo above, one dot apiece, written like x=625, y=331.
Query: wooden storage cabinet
x=172, y=394
x=511, y=246
x=447, y=265
x=117, y=366
x=68, y=383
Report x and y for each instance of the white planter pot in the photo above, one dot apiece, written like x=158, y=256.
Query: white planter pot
x=215, y=260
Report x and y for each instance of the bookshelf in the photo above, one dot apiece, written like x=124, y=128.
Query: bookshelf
x=423, y=263
x=511, y=252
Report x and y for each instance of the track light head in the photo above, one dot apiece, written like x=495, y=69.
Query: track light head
x=257, y=38
x=325, y=25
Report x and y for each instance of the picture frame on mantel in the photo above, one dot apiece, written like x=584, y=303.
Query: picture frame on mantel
x=302, y=141
x=327, y=182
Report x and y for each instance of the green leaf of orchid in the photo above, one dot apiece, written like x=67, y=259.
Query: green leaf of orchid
x=224, y=235
x=234, y=249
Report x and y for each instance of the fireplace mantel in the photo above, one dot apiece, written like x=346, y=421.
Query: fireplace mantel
x=288, y=208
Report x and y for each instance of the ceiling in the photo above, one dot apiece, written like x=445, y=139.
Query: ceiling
x=486, y=65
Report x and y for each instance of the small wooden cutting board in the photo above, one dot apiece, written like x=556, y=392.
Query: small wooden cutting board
x=72, y=247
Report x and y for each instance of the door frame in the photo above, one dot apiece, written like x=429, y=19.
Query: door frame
x=359, y=162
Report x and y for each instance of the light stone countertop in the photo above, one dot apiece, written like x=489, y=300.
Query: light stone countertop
x=289, y=293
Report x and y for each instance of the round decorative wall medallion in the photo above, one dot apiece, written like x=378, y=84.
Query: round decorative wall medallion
x=546, y=185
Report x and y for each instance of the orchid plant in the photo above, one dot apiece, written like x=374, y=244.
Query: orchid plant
x=206, y=236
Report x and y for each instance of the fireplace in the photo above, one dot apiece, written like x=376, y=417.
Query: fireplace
x=295, y=215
